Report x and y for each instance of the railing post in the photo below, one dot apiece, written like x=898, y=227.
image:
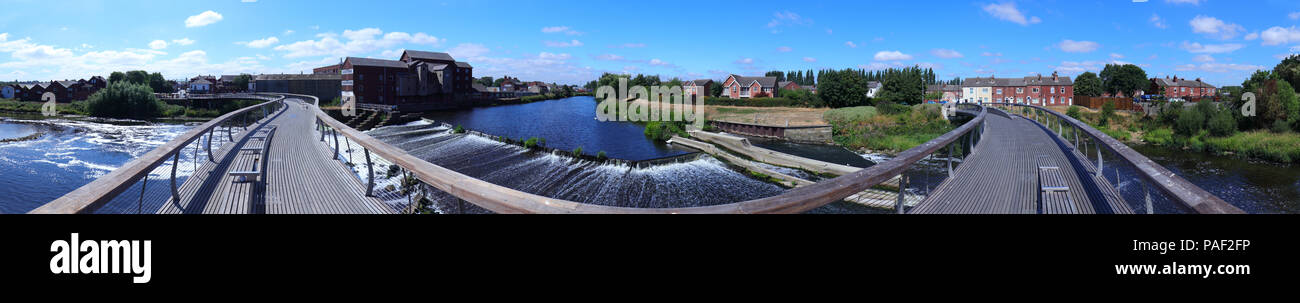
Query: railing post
x=902, y=186
x=349, y=150
x=335, y=133
x=1146, y=193
x=176, y=157
x=370, y=170
x=1099, y=164
x=949, y=160
x=144, y=182
x=209, y=147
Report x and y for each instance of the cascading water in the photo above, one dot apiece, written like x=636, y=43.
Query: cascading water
x=701, y=182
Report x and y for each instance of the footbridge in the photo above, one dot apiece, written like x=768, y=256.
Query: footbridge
x=286, y=155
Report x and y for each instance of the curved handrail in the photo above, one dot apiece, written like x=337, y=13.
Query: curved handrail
x=502, y=199
x=1180, y=189
x=91, y=196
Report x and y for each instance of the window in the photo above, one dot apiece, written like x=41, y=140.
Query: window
x=1053, y=89
x=1035, y=90
x=1182, y=89
x=986, y=90
x=999, y=91
x=1020, y=90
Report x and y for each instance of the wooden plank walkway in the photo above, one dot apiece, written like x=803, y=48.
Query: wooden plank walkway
x=1002, y=176
x=301, y=175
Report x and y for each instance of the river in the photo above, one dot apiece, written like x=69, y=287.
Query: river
x=68, y=155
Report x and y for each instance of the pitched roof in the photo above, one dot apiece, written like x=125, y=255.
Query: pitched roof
x=68, y=83
x=201, y=82
x=762, y=81
x=358, y=61
x=1181, y=83
x=874, y=84
x=1047, y=80
x=298, y=77
x=423, y=55
x=478, y=87
x=977, y=82
x=463, y=64
x=228, y=78
x=702, y=82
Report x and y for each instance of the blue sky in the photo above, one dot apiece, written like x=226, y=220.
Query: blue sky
x=574, y=41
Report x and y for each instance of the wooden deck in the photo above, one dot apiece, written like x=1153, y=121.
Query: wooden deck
x=1010, y=170
x=301, y=176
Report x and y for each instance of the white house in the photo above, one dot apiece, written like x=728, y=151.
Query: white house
x=873, y=88
x=200, y=86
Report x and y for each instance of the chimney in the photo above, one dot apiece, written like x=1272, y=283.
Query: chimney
x=1198, y=80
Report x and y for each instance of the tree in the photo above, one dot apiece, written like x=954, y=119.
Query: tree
x=842, y=88
x=780, y=76
x=242, y=81
x=1255, y=80
x=1124, y=79
x=138, y=77
x=904, y=86
x=1289, y=70
x=1088, y=84
x=123, y=99
x=116, y=76
x=486, y=81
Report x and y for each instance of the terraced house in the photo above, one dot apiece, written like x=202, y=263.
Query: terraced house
x=738, y=87
x=1036, y=90
x=1181, y=88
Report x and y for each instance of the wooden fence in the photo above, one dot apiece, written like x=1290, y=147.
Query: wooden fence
x=1097, y=102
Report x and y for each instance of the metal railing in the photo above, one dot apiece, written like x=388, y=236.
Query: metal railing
x=110, y=192
x=1088, y=141
x=417, y=179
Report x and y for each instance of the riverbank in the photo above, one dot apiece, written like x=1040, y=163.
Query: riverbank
x=77, y=110
x=1132, y=128
x=893, y=130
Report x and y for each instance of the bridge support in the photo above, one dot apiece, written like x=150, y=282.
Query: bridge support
x=209, y=148
x=335, y=132
x=950, y=160
x=902, y=186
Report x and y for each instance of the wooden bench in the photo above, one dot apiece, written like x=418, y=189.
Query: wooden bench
x=262, y=150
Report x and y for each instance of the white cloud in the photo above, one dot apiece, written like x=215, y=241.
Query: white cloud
x=1252, y=36
x=1072, y=46
x=809, y=59
x=609, y=57
x=745, y=61
x=945, y=53
x=1197, y=48
x=1203, y=58
x=850, y=44
x=1008, y=12
x=1279, y=35
x=359, y=42
x=892, y=56
x=574, y=43
x=560, y=29
x=1157, y=22
x=468, y=50
x=1077, y=67
x=1116, y=56
x=787, y=18
x=784, y=49
x=1219, y=67
x=988, y=54
x=204, y=18
x=879, y=65
x=288, y=32
x=158, y=44
x=1214, y=27
x=261, y=43
x=657, y=62
x=183, y=41
x=1293, y=16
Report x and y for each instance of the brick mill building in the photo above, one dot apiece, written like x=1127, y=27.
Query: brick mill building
x=417, y=80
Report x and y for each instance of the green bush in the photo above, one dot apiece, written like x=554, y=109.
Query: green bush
x=125, y=100
x=458, y=130
x=1222, y=124
x=1073, y=112
x=1280, y=126
x=531, y=143
x=758, y=102
x=577, y=151
x=663, y=131
x=600, y=155
x=1107, y=113
x=890, y=108
x=1189, y=122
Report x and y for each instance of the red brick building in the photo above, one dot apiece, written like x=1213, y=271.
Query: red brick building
x=327, y=70
x=697, y=87
x=1037, y=90
x=417, y=77
x=738, y=87
x=1181, y=88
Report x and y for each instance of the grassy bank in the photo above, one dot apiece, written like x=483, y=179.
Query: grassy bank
x=1280, y=145
x=895, y=129
x=168, y=110
x=74, y=108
